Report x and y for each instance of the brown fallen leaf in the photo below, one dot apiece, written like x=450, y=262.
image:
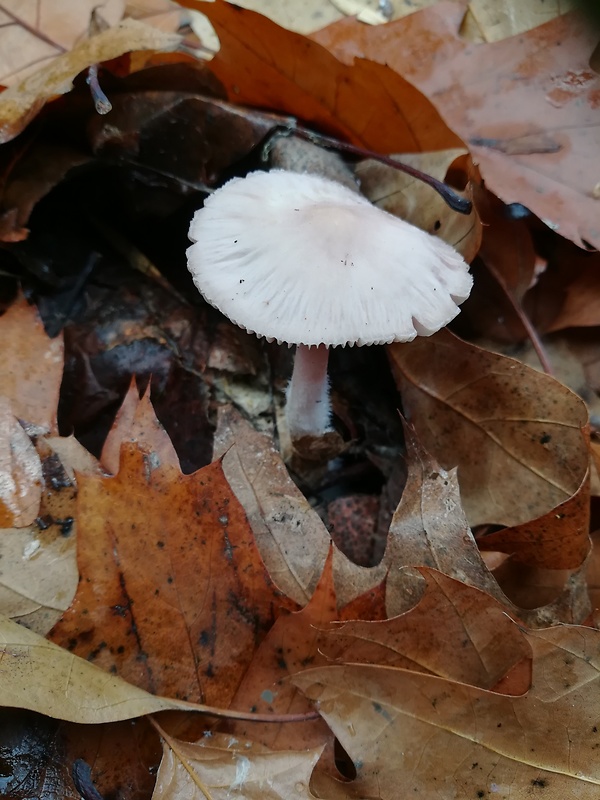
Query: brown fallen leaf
x=40, y=676
x=38, y=563
x=408, y=732
x=429, y=529
x=31, y=367
x=512, y=431
x=21, y=102
x=32, y=34
x=417, y=203
x=137, y=422
x=526, y=106
x=291, y=537
x=292, y=644
x=265, y=66
x=222, y=767
x=558, y=540
x=173, y=595
x=213, y=134
x=454, y=631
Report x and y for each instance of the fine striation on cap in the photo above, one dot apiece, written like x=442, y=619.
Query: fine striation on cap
x=304, y=260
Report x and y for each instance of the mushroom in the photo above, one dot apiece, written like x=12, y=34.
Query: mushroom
x=301, y=259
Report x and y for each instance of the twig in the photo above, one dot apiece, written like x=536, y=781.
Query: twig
x=539, y=348
x=454, y=200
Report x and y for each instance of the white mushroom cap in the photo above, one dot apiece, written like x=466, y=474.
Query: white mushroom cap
x=304, y=260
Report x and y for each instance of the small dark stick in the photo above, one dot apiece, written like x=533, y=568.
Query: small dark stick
x=82, y=778
x=450, y=197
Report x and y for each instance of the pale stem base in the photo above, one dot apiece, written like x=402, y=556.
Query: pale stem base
x=308, y=409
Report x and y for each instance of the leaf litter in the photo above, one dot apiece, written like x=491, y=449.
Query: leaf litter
x=222, y=585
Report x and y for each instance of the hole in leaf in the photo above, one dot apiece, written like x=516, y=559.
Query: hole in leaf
x=343, y=762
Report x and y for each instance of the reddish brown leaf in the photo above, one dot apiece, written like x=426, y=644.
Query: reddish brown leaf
x=173, y=595
x=292, y=644
x=455, y=631
x=266, y=66
x=558, y=540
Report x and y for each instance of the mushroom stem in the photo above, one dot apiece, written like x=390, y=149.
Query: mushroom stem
x=308, y=408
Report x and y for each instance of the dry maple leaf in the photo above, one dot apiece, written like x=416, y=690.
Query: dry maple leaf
x=137, y=422
x=526, y=106
x=413, y=733
x=294, y=643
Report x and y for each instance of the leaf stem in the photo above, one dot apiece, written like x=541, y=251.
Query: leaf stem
x=534, y=338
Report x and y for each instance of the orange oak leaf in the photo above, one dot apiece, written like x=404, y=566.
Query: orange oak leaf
x=173, y=595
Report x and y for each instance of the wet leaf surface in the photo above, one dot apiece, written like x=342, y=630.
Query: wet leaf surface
x=425, y=633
